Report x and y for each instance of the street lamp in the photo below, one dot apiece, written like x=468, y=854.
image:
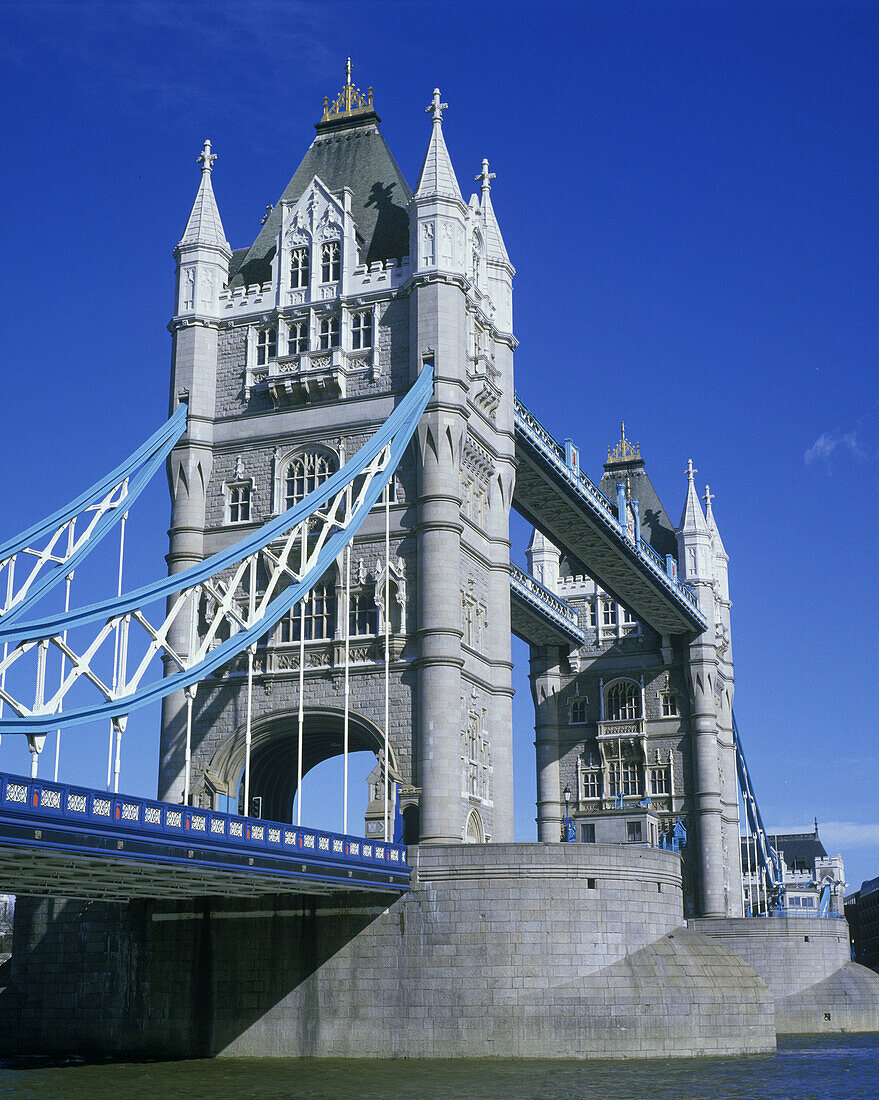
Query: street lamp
x=567, y=824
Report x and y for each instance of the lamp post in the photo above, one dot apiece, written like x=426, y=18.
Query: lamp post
x=567, y=824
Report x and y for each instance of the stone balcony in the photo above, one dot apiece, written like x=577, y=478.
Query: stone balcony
x=310, y=377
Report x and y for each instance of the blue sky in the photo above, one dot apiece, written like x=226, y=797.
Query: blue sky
x=688, y=194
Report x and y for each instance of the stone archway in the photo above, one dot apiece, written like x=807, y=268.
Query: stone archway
x=274, y=751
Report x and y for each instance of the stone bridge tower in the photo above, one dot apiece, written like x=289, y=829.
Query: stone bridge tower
x=290, y=353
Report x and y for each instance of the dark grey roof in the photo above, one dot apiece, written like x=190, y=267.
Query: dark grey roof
x=354, y=155
x=800, y=850
x=656, y=528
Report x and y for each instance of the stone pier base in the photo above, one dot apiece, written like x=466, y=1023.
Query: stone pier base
x=806, y=963
x=505, y=950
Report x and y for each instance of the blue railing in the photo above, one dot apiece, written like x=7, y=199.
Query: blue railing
x=37, y=801
x=543, y=441
x=547, y=603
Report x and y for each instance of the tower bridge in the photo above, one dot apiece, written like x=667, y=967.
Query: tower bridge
x=344, y=448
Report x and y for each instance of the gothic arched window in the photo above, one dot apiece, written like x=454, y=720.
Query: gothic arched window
x=622, y=701
x=305, y=473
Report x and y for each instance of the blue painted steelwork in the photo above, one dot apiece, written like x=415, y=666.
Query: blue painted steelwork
x=394, y=436
x=547, y=603
x=767, y=857
x=600, y=507
x=59, y=817
x=137, y=470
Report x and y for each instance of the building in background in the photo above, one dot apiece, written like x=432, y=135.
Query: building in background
x=814, y=882
x=862, y=914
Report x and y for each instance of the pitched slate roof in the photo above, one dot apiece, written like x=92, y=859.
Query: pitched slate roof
x=656, y=527
x=355, y=155
x=800, y=850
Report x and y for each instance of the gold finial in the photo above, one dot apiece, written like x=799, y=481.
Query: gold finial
x=625, y=451
x=350, y=101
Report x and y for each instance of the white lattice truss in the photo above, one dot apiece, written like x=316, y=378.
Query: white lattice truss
x=242, y=601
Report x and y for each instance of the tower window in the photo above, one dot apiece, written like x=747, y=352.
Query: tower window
x=362, y=614
x=266, y=345
x=669, y=701
x=593, y=612
x=330, y=262
x=361, y=330
x=578, y=712
x=622, y=701
x=625, y=780
x=320, y=616
x=609, y=615
x=587, y=833
x=633, y=832
x=297, y=337
x=659, y=781
x=305, y=473
x=298, y=268
x=329, y=332
x=239, y=502
x=591, y=784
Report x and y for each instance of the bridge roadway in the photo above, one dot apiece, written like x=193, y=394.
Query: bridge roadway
x=579, y=518
x=64, y=841
x=538, y=616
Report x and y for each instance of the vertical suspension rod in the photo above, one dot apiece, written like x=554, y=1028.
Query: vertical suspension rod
x=387, y=647
x=116, y=644
x=302, y=598
x=346, y=720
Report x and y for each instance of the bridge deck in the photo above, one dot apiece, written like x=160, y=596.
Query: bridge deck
x=571, y=511
x=58, y=840
x=538, y=616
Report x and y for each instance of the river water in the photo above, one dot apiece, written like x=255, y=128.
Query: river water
x=805, y=1067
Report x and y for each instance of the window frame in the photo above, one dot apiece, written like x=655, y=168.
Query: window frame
x=365, y=317
x=330, y=332
x=300, y=275
x=330, y=262
x=266, y=344
x=242, y=485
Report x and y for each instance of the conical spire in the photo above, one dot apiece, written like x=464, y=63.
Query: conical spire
x=437, y=174
x=494, y=243
x=204, y=225
x=692, y=518
x=716, y=541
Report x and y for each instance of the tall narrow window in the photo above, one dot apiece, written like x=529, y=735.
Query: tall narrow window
x=578, y=712
x=329, y=332
x=591, y=784
x=266, y=345
x=239, y=503
x=363, y=614
x=622, y=702
x=609, y=616
x=305, y=473
x=593, y=612
x=361, y=330
x=297, y=337
x=298, y=268
x=320, y=616
x=669, y=702
x=330, y=262
x=659, y=781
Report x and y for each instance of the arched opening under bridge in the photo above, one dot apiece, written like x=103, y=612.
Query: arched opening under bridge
x=273, y=760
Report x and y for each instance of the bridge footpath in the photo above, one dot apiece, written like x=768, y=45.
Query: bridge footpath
x=574, y=514
x=63, y=841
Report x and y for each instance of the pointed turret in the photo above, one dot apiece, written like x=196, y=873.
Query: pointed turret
x=694, y=540
x=544, y=559
x=203, y=253
x=437, y=175
x=721, y=558
x=438, y=213
x=204, y=225
x=495, y=249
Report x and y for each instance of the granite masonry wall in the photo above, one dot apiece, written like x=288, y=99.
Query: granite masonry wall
x=533, y=950
x=806, y=963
